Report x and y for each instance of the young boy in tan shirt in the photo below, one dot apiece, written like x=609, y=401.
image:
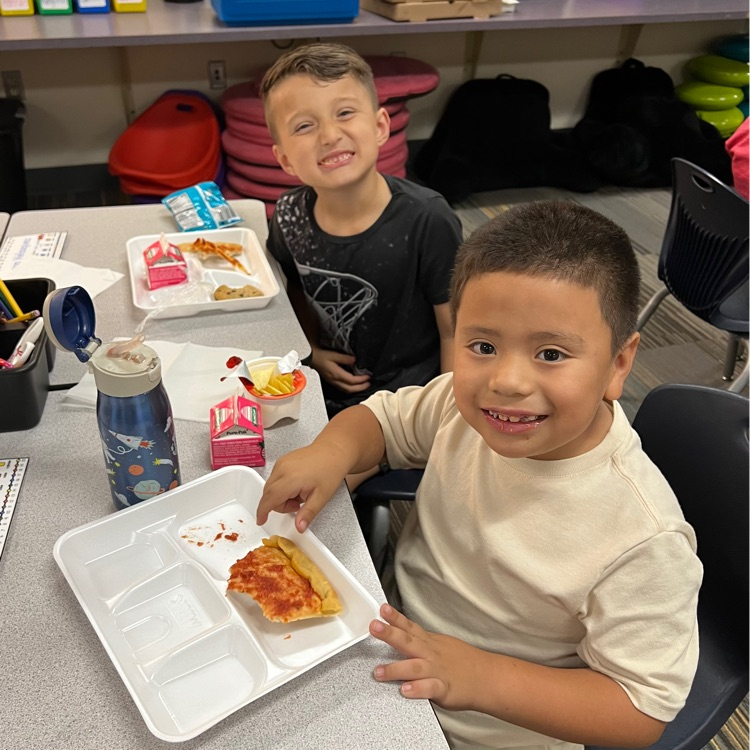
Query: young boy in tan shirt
x=548, y=577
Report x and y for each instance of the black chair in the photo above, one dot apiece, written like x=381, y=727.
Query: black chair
x=698, y=437
x=372, y=504
x=704, y=258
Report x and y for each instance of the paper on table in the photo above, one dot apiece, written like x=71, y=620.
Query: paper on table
x=191, y=374
x=64, y=274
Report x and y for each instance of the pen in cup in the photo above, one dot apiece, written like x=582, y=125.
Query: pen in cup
x=21, y=354
x=25, y=344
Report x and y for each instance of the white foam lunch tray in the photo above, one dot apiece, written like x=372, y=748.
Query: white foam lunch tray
x=204, y=275
x=152, y=581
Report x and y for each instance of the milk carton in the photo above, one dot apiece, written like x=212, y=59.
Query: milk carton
x=165, y=264
x=236, y=433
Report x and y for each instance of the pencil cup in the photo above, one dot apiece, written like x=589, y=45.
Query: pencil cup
x=24, y=388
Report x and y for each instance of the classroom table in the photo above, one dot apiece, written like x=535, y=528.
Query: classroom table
x=59, y=688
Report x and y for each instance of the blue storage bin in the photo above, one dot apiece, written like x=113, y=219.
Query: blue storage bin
x=280, y=12
x=92, y=6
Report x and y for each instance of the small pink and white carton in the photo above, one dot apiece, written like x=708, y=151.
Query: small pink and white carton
x=165, y=264
x=237, y=433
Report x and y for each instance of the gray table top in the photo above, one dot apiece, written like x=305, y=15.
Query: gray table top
x=178, y=23
x=97, y=237
x=59, y=689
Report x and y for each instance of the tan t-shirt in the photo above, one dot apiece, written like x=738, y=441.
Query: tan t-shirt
x=586, y=561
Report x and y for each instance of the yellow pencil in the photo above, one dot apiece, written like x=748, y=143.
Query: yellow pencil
x=9, y=298
x=23, y=318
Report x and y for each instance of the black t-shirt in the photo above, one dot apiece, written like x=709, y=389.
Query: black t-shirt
x=374, y=291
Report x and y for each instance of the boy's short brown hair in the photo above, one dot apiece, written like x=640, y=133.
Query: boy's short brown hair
x=324, y=61
x=560, y=240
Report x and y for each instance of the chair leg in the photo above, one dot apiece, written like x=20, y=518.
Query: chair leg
x=741, y=381
x=650, y=307
x=732, y=356
x=377, y=540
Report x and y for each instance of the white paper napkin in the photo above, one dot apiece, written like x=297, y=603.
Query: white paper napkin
x=191, y=374
x=64, y=274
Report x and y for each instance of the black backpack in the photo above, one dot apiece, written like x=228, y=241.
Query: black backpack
x=495, y=133
x=634, y=125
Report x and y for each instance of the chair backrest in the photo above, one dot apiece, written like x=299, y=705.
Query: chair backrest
x=704, y=255
x=698, y=437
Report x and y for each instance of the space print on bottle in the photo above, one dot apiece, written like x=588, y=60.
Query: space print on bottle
x=140, y=466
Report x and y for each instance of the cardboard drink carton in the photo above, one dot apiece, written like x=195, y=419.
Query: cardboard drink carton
x=237, y=433
x=165, y=264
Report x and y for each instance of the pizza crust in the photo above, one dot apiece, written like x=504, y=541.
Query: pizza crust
x=286, y=584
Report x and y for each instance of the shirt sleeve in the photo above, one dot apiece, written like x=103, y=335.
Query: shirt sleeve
x=410, y=419
x=641, y=628
x=438, y=237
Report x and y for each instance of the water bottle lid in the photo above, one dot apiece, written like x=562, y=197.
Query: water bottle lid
x=70, y=320
x=136, y=372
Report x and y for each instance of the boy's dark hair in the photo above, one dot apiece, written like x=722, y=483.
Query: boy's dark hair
x=324, y=61
x=560, y=240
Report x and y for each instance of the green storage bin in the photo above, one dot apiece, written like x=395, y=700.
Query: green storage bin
x=54, y=7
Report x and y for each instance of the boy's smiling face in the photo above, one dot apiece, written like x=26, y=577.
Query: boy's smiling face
x=533, y=363
x=327, y=133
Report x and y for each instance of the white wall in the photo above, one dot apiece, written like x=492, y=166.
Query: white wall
x=78, y=101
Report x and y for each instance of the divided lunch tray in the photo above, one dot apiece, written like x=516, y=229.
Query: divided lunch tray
x=152, y=581
x=204, y=275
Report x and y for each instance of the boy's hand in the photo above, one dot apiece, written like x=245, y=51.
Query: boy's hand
x=301, y=482
x=438, y=667
x=331, y=366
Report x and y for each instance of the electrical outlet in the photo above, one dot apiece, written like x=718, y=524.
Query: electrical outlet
x=217, y=74
x=13, y=84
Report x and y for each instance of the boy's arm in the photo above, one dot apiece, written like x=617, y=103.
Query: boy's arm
x=574, y=705
x=304, y=480
x=445, y=330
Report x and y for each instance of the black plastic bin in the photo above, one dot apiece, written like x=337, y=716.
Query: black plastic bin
x=23, y=390
x=12, y=171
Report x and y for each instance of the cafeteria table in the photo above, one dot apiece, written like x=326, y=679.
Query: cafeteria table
x=59, y=688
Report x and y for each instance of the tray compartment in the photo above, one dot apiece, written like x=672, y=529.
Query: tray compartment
x=113, y=564
x=171, y=608
x=211, y=677
x=222, y=536
x=293, y=645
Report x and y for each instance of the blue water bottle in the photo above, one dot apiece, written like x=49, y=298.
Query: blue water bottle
x=132, y=407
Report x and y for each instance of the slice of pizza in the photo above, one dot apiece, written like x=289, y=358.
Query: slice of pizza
x=287, y=585
x=206, y=248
